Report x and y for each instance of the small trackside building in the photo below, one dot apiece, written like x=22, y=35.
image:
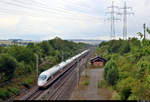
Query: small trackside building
x=98, y=61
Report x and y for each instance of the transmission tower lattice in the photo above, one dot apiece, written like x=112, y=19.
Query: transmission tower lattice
x=125, y=13
x=113, y=19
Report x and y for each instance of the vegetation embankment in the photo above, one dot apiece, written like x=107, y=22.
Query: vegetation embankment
x=17, y=63
x=127, y=70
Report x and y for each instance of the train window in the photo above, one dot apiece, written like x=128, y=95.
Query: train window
x=43, y=77
x=48, y=78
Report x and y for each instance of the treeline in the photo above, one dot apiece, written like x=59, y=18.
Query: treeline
x=20, y=61
x=128, y=67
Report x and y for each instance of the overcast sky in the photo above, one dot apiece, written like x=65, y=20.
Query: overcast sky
x=68, y=19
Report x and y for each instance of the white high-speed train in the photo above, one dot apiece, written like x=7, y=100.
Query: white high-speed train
x=48, y=76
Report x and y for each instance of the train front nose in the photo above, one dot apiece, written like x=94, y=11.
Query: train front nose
x=41, y=83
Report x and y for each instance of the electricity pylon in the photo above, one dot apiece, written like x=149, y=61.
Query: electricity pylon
x=144, y=27
x=113, y=19
x=125, y=13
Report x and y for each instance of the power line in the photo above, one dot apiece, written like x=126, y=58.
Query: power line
x=47, y=10
x=113, y=19
x=62, y=10
x=44, y=8
x=78, y=6
x=125, y=13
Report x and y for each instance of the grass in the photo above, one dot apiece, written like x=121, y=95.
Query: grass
x=102, y=84
x=109, y=90
x=13, y=90
x=4, y=94
x=86, y=83
x=104, y=90
x=115, y=96
x=42, y=98
x=28, y=82
x=17, y=84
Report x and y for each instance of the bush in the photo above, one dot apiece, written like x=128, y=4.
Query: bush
x=111, y=73
x=106, y=68
x=20, y=70
x=102, y=84
x=28, y=82
x=22, y=53
x=142, y=67
x=125, y=47
x=86, y=83
x=133, y=97
x=116, y=96
x=4, y=94
x=13, y=90
x=114, y=46
x=124, y=87
x=112, y=76
x=123, y=75
x=7, y=66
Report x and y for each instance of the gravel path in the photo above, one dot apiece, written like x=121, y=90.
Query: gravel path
x=92, y=92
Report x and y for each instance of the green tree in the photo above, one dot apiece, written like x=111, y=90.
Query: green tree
x=30, y=45
x=22, y=53
x=125, y=47
x=124, y=87
x=107, y=67
x=111, y=73
x=8, y=64
x=114, y=46
x=46, y=47
x=148, y=30
x=140, y=35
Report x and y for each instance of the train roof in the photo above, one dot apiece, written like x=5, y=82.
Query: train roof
x=50, y=71
x=57, y=67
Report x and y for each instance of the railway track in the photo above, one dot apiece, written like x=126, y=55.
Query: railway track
x=37, y=94
x=61, y=87
x=62, y=93
x=61, y=83
x=58, y=91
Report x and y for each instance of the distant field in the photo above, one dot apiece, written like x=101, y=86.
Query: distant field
x=6, y=42
x=92, y=42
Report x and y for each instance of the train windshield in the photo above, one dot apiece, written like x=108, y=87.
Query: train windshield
x=42, y=77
